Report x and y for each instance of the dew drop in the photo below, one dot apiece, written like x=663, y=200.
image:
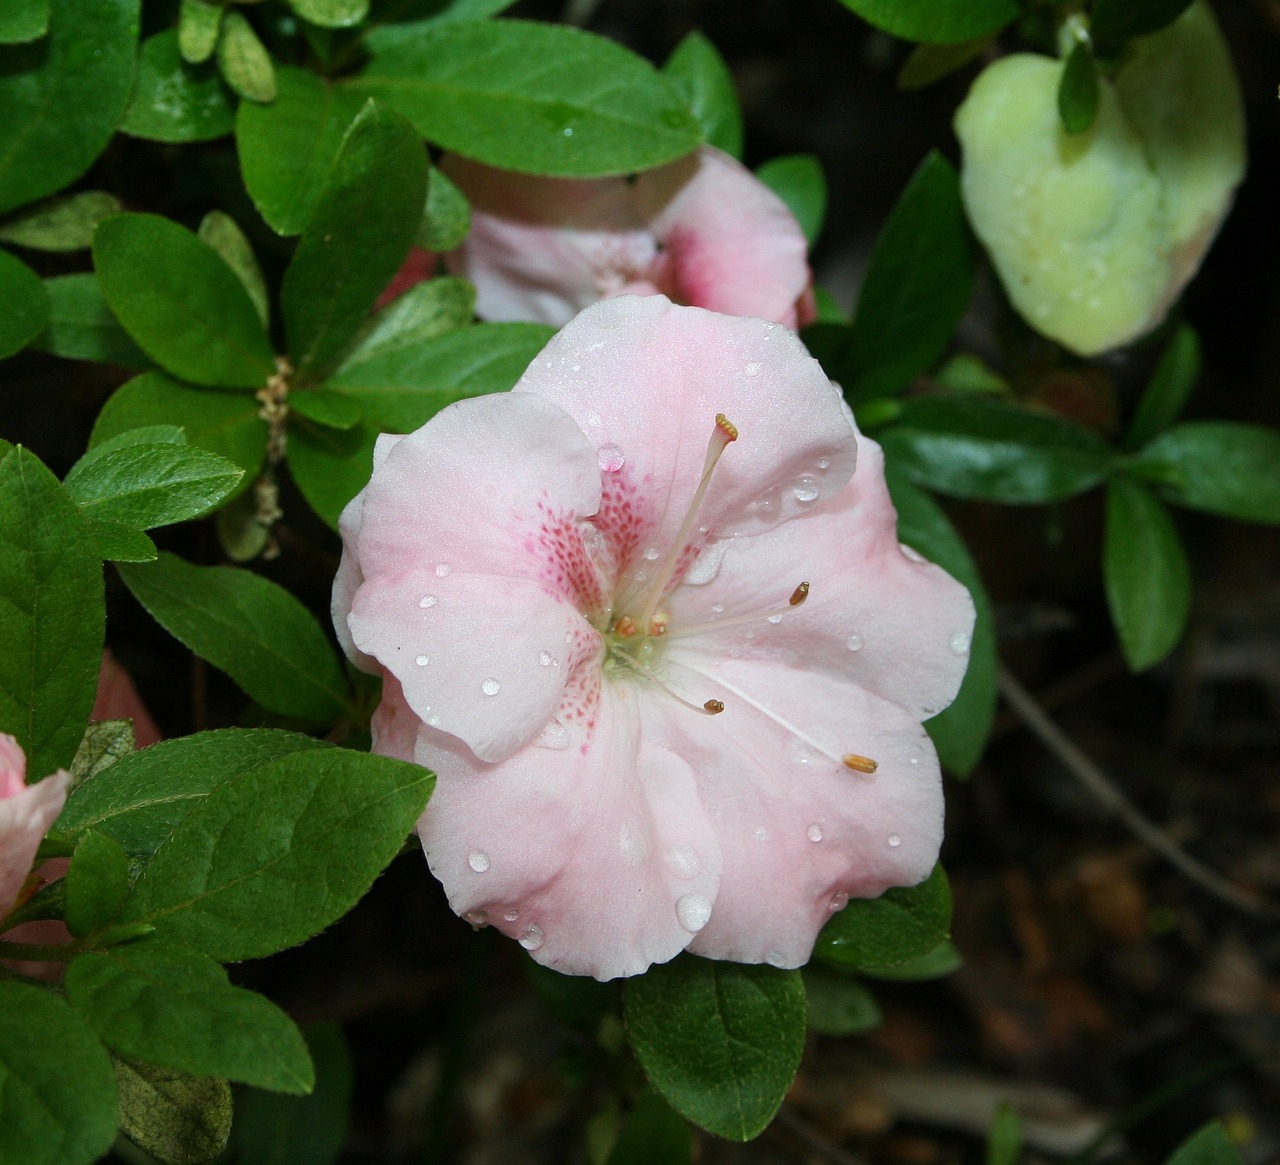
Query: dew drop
x=753, y=369
x=652, y=554
x=838, y=901
x=959, y=643
x=478, y=860
x=577, y=368
x=775, y=619
x=910, y=552
x=776, y=959
x=632, y=845
x=718, y=609
x=568, y=636
x=760, y=833
x=477, y=918
x=433, y=721
x=807, y=489
x=611, y=458
x=423, y=660
x=490, y=687
x=554, y=736
x=895, y=840
x=693, y=911
x=706, y=566
x=443, y=570
x=814, y=832
x=767, y=502
x=427, y=601
x=854, y=643
x=825, y=463
x=567, y=131
x=682, y=861
x=533, y=938
x=545, y=658
x=511, y=915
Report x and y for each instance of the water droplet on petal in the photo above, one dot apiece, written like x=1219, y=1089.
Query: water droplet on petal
x=910, y=552
x=915, y=760
x=825, y=463
x=477, y=918
x=854, y=643
x=478, y=860
x=682, y=861
x=693, y=911
x=652, y=554
x=767, y=502
x=511, y=915
x=568, y=636
x=752, y=369
x=707, y=565
x=442, y=571
x=807, y=489
x=544, y=658
x=423, y=660
x=427, y=601
x=895, y=840
x=533, y=938
x=814, y=832
x=838, y=901
x=611, y=458
x=760, y=833
x=577, y=368
x=490, y=687
x=959, y=643
x=776, y=959
x=775, y=619
x=554, y=736
x=718, y=609
x=433, y=721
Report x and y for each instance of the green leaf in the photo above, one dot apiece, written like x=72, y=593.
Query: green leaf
x=653, y=1131
x=930, y=62
x=226, y=423
x=346, y=255
x=51, y=614
x=936, y=21
x=960, y=731
x=104, y=742
x=26, y=306
x=1078, y=90
x=119, y=542
x=288, y=1130
x=82, y=326
x=249, y=627
x=942, y=960
x=1004, y=1141
x=96, y=884
x=288, y=148
x=182, y=304
x=331, y=13
x=61, y=224
x=331, y=409
x=176, y=1118
x=401, y=386
x=1171, y=387
x=720, y=1041
x=242, y=530
x=330, y=466
x=881, y=934
x=173, y=100
x=275, y=855
x=426, y=310
x=199, y=24
x=700, y=73
x=243, y=61
x=398, y=21
x=23, y=20
x=1217, y=466
x=976, y=448
x=62, y=96
x=1147, y=577
x=142, y=798
x=446, y=217
x=1112, y=22
x=799, y=181
x=1209, y=1146
x=916, y=288
x=839, y=1003
x=165, y=1005
x=538, y=98
x=56, y=1079
x=222, y=233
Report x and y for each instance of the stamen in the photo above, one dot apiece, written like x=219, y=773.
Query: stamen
x=724, y=432
x=710, y=708
x=798, y=596
x=859, y=764
x=714, y=706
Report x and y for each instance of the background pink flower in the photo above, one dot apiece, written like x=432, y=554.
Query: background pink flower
x=557, y=616
x=26, y=813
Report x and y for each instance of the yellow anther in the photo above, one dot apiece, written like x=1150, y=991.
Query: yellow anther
x=859, y=764
x=726, y=426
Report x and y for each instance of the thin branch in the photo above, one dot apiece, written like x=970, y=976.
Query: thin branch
x=815, y=1138
x=1100, y=785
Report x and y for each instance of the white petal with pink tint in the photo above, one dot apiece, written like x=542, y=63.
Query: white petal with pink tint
x=26, y=813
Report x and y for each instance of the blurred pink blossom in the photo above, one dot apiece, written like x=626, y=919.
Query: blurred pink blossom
x=670, y=673
x=118, y=699
x=26, y=813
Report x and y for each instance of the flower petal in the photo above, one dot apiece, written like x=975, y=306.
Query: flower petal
x=13, y=767
x=591, y=850
x=24, y=820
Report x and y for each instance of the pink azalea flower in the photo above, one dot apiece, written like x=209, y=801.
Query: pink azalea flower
x=702, y=230
x=670, y=674
x=26, y=813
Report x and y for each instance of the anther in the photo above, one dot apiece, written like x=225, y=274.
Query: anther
x=799, y=595
x=626, y=627
x=715, y=707
x=726, y=426
x=859, y=764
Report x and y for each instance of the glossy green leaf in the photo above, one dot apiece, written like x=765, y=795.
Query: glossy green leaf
x=720, y=1041
x=62, y=96
x=942, y=960
x=310, y=1130
x=199, y=23
x=976, y=448
x=931, y=62
x=222, y=233
x=1112, y=22
x=330, y=466
x=839, y=1003
x=880, y=934
x=140, y=800
x=97, y=882
x=182, y=304
x=653, y=1131
x=275, y=855
x=1172, y=384
x=288, y=148
x=346, y=255
x=61, y=224
x=249, y=627
x=799, y=181
x=51, y=614
x=402, y=386
x=82, y=326
x=398, y=21
x=165, y=1005
x=1004, y=1140
x=1217, y=466
x=538, y=98
x=173, y=100
x=26, y=306
x=936, y=21
x=446, y=217
x=960, y=731
x=335, y=410
x=120, y=542
x=1209, y=1146
x=56, y=1079
x=701, y=75
x=23, y=20
x=426, y=310
x=916, y=288
x=175, y=1118
x=226, y=423
x=1147, y=576
x=331, y=13
x=1078, y=90
x=243, y=61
